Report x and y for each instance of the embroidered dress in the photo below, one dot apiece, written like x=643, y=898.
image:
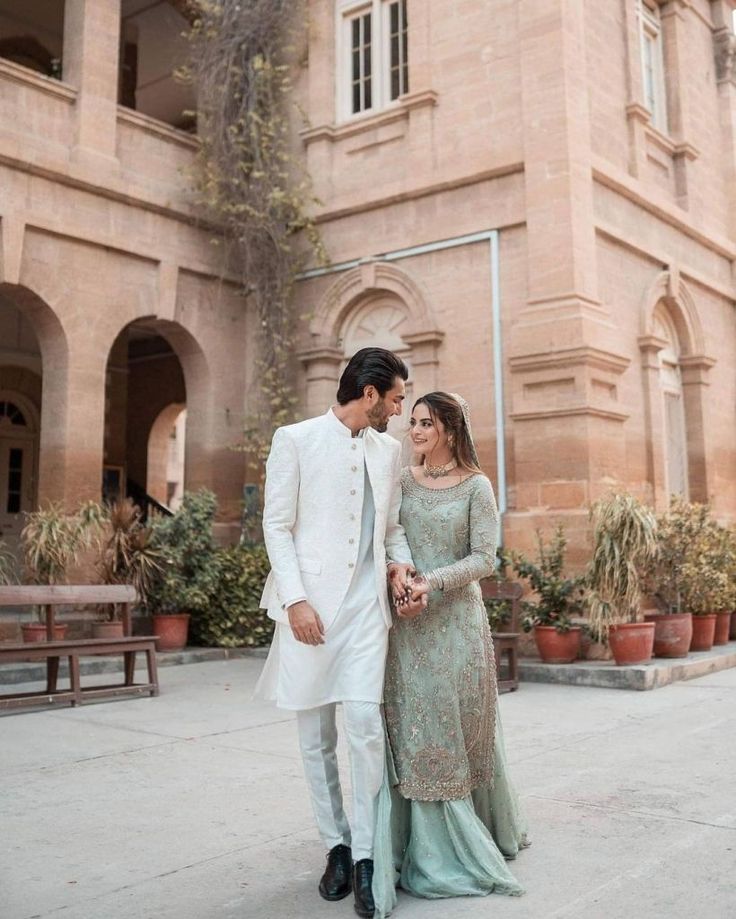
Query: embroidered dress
x=447, y=814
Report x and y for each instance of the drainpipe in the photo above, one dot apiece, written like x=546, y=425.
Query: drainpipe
x=491, y=237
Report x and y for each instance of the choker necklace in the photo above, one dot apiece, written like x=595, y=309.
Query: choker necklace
x=436, y=472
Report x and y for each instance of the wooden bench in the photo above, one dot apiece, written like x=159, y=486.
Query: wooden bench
x=51, y=651
x=506, y=643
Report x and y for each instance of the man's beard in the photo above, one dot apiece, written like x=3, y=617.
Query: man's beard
x=377, y=418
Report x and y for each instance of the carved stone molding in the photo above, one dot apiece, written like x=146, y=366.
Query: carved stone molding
x=724, y=47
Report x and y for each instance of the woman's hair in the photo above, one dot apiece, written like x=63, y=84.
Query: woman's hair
x=442, y=407
x=370, y=367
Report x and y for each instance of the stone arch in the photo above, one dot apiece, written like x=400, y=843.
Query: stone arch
x=51, y=390
x=370, y=278
x=177, y=373
x=669, y=292
x=412, y=329
x=672, y=339
x=158, y=451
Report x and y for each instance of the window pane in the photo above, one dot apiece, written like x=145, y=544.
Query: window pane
x=355, y=32
x=395, y=85
x=356, y=97
x=15, y=465
x=367, y=28
x=367, y=61
x=368, y=97
x=16, y=458
x=394, y=17
x=356, y=65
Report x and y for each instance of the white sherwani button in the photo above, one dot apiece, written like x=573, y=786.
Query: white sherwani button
x=351, y=565
x=351, y=540
x=355, y=468
x=352, y=491
x=355, y=446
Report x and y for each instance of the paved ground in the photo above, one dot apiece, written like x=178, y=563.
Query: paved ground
x=193, y=806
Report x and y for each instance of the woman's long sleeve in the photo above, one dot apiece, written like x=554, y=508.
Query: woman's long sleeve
x=483, y=538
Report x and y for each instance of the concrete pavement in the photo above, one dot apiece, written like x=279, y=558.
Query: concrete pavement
x=193, y=806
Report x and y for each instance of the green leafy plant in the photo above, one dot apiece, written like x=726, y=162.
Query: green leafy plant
x=188, y=577
x=695, y=565
x=624, y=543
x=127, y=553
x=52, y=540
x=233, y=618
x=557, y=596
x=8, y=564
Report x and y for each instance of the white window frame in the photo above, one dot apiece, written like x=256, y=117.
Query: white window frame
x=650, y=34
x=345, y=12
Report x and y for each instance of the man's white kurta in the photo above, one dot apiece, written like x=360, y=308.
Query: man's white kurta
x=349, y=666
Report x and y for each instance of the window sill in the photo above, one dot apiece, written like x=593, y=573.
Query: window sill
x=362, y=124
x=158, y=128
x=659, y=139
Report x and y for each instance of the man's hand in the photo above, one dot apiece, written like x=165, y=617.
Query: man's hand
x=306, y=624
x=409, y=608
x=399, y=577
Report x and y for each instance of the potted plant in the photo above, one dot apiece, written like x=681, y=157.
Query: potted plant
x=557, y=599
x=233, y=617
x=189, y=576
x=703, y=581
x=126, y=556
x=663, y=579
x=725, y=600
x=52, y=540
x=624, y=542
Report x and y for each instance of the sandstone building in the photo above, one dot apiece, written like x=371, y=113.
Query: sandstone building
x=533, y=202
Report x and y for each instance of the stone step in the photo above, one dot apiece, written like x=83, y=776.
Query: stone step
x=606, y=674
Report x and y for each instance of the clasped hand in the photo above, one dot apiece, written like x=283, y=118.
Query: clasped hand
x=409, y=591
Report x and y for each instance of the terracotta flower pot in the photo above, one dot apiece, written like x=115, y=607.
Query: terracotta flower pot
x=107, y=629
x=673, y=633
x=704, y=630
x=36, y=631
x=723, y=625
x=172, y=630
x=632, y=642
x=557, y=647
x=732, y=632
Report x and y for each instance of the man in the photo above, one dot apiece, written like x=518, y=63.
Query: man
x=332, y=533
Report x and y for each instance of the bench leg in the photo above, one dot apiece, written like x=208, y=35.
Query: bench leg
x=52, y=673
x=152, y=671
x=129, y=667
x=74, y=679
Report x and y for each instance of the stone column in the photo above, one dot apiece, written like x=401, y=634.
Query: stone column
x=322, y=373
x=72, y=422
x=724, y=50
x=694, y=370
x=564, y=352
x=90, y=63
x=650, y=347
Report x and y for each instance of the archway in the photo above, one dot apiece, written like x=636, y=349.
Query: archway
x=156, y=374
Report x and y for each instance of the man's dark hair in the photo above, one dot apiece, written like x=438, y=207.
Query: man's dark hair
x=370, y=367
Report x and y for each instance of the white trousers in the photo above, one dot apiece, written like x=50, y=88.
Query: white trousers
x=318, y=740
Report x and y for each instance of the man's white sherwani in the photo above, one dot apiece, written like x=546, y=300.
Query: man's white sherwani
x=330, y=524
x=331, y=521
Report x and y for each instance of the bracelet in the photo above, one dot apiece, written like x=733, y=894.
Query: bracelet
x=434, y=579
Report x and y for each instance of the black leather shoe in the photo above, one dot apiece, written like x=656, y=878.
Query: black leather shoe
x=335, y=883
x=363, y=887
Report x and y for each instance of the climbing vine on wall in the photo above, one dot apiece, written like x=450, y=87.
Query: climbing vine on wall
x=250, y=181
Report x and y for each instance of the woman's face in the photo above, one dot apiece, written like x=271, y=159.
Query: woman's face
x=427, y=434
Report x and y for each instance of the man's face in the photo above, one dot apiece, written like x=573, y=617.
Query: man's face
x=381, y=408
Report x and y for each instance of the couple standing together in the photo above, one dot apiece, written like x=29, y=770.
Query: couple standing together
x=374, y=588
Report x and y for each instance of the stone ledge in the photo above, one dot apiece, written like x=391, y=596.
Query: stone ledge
x=606, y=674
x=11, y=674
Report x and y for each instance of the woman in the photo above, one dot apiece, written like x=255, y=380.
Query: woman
x=447, y=816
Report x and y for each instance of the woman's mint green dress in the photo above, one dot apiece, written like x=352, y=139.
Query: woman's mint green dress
x=447, y=816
